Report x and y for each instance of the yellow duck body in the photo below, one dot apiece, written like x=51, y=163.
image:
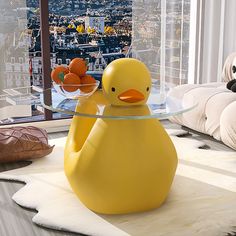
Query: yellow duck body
x=119, y=166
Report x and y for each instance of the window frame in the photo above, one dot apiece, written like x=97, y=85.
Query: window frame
x=45, y=52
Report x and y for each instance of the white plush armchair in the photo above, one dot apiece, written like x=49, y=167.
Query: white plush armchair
x=215, y=114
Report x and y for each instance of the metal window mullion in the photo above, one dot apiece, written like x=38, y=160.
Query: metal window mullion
x=163, y=49
x=221, y=41
x=45, y=49
x=199, y=42
x=181, y=44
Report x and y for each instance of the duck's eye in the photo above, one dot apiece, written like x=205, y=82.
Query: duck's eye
x=113, y=89
x=147, y=89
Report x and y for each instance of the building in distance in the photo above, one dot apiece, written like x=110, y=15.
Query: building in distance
x=95, y=22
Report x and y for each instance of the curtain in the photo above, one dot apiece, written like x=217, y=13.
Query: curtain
x=161, y=38
x=217, y=38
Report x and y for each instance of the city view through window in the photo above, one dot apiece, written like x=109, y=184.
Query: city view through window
x=98, y=31
x=146, y=38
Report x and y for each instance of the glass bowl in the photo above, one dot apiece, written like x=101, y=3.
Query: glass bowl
x=75, y=91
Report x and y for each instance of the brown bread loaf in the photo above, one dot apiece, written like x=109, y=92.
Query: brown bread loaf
x=22, y=143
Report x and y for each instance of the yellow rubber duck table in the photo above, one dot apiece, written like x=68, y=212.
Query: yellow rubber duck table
x=118, y=157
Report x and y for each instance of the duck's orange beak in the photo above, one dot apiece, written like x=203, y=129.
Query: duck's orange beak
x=131, y=96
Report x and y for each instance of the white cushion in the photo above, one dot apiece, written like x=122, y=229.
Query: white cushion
x=215, y=113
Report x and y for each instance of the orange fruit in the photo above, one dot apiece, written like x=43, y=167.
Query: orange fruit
x=90, y=81
x=78, y=66
x=71, y=82
x=59, y=73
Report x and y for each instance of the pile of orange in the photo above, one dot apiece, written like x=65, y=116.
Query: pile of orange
x=74, y=75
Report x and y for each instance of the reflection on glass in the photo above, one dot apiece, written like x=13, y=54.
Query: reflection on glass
x=14, y=44
x=146, y=41
x=17, y=64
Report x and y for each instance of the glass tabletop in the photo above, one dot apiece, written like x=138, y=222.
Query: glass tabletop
x=97, y=106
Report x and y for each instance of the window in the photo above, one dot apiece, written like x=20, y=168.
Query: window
x=98, y=31
x=148, y=38
x=59, y=61
x=68, y=61
x=21, y=60
x=13, y=60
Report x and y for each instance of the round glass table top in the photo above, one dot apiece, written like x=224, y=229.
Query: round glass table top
x=97, y=106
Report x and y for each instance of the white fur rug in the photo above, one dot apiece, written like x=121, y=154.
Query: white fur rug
x=202, y=200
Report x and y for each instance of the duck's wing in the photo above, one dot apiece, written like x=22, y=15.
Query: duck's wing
x=79, y=131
